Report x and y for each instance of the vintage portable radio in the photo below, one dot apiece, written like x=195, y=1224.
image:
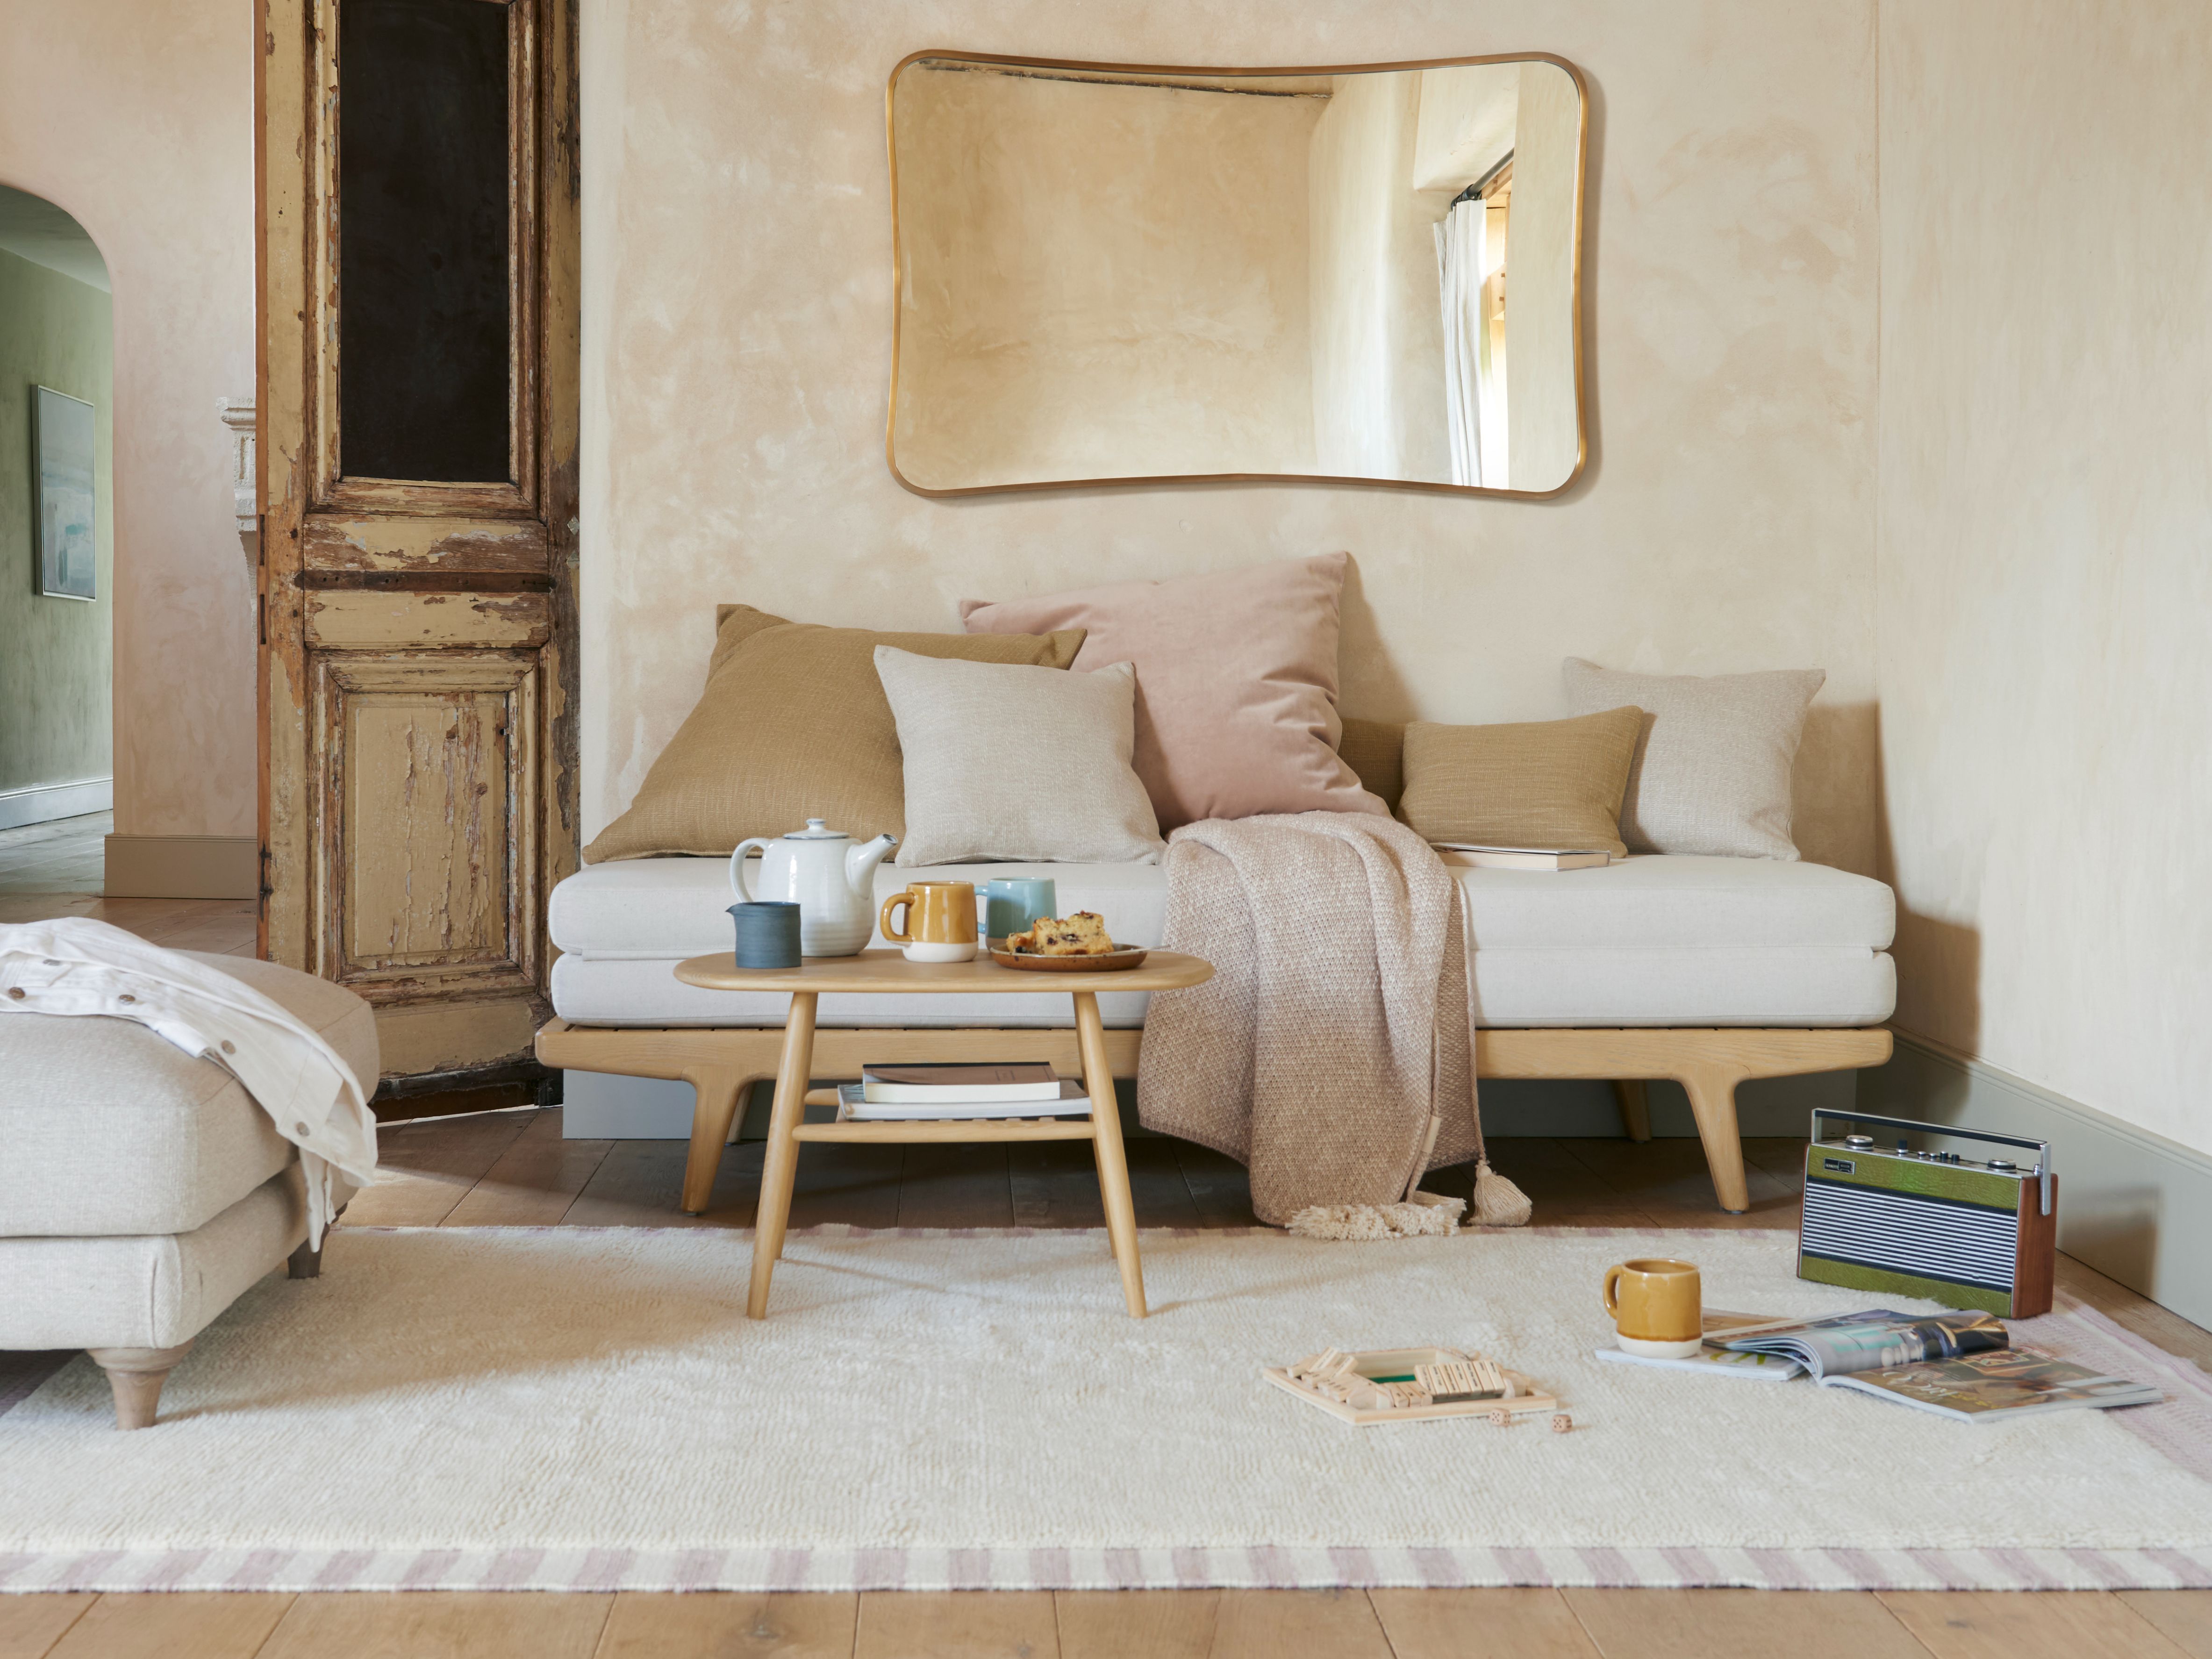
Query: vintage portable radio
x=1973, y=1234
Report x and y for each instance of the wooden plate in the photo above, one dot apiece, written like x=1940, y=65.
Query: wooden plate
x=1114, y=962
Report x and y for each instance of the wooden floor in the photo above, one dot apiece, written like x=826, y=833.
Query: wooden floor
x=512, y=1167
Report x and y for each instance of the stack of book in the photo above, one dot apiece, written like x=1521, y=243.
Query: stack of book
x=1520, y=858
x=960, y=1089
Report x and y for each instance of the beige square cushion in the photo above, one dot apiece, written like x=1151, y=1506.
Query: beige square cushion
x=107, y=1128
x=1712, y=769
x=1236, y=682
x=1544, y=783
x=793, y=726
x=1017, y=764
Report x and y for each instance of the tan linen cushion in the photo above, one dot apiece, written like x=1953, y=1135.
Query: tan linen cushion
x=792, y=724
x=1018, y=765
x=1542, y=783
x=1712, y=767
x=1375, y=750
x=105, y=1127
x=1236, y=682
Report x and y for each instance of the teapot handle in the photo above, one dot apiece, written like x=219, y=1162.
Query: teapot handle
x=738, y=869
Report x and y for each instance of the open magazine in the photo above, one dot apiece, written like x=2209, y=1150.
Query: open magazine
x=1961, y=1365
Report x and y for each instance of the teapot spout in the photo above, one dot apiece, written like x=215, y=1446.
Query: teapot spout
x=860, y=864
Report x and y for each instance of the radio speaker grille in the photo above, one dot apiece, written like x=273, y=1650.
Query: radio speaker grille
x=1907, y=1233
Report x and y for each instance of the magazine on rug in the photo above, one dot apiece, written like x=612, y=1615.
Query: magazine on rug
x=1961, y=1365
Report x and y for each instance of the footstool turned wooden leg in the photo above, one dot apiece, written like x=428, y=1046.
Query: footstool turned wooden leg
x=137, y=1374
x=306, y=1262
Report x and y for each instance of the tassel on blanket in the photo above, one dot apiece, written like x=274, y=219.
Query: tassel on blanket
x=1498, y=1202
x=1424, y=1213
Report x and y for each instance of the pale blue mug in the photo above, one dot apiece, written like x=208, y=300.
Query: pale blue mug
x=1009, y=907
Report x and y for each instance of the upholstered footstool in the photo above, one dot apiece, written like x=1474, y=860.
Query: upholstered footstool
x=142, y=1190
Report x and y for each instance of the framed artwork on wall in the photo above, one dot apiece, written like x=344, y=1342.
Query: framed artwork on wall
x=61, y=458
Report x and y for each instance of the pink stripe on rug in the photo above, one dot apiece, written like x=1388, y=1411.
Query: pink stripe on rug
x=174, y=1568
x=1270, y=1566
x=1518, y=1565
x=1609, y=1569
x=1050, y=1570
x=87, y=1571
x=787, y=1569
x=968, y=1569
x=2189, y=1571
x=604, y=1570
x=1193, y=1570
x=2025, y=1568
x=342, y=1569
x=1779, y=1568
x=1862, y=1569
x=258, y=1570
x=2101, y=1564
x=880, y=1569
x=431, y=1569
x=1125, y=1569
x=1691, y=1565
x=1943, y=1566
x=512, y=1567
x=11, y=1564
x=698, y=1570
x=1354, y=1567
x=1439, y=1569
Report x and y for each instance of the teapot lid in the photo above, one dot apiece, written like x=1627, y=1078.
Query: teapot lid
x=816, y=830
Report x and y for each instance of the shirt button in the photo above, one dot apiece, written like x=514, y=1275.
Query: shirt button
x=126, y=997
x=17, y=992
x=228, y=1047
x=302, y=1128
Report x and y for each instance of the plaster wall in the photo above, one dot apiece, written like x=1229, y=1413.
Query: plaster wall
x=138, y=121
x=2044, y=553
x=1048, y=225
x=737, y=354
x=53, y=651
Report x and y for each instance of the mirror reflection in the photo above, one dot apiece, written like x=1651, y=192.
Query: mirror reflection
x=1109, y=274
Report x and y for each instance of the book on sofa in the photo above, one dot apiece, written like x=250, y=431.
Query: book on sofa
x=920, y=1082
x=1521, y=857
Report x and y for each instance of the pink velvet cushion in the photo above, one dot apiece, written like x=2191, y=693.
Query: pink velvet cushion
x=1236, y=682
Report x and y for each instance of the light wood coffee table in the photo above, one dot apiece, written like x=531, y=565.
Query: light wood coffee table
x=890, y=974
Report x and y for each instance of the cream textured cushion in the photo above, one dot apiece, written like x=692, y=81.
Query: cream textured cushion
x=1017, y=763
x=792, y=724
x=1541, y=783
x=1712, y=769
x=1236, y=682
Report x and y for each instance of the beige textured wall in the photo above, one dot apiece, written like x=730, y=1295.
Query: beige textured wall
x=1540, y=338
x=138, y=118
x=737, y=349
x=2045, y=571
x=1050, y=226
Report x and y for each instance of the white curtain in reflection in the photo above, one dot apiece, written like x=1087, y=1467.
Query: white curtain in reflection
x=1460, y=260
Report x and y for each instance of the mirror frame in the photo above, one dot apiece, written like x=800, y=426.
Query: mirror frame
x=1575, y=285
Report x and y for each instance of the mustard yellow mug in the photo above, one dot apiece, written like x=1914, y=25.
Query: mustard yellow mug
x=1657, y=1307
x=939, y=925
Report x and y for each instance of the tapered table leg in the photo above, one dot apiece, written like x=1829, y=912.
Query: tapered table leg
x=1106, y=1141
x=779, y=1168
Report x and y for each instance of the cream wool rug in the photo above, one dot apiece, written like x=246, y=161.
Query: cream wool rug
x=589, y=1409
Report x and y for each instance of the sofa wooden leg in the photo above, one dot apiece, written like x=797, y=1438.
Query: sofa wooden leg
x=135, y=1374
x=1634, y=1108
x=714, y=1110
x=1711, y=1090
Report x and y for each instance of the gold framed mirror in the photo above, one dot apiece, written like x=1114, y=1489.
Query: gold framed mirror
x=1123, y=274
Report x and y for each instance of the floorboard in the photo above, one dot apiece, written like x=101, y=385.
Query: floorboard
x=457, y=1624
x=956, y=1625
x=31, y=1625
x=213, y=1625
x=1480, y=1624
x=534, y=1182
x=1277, y=1624
x=951, y=1185
x=431, y=1169
x=2183, y=1617
x=718, y=1625
x=1997, y=1624
x=1121, y=1624
x=1741, y=1624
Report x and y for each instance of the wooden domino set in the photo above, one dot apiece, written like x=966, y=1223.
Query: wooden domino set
x=1411, y=1385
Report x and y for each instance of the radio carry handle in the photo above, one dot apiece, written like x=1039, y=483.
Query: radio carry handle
x=2042, y=1147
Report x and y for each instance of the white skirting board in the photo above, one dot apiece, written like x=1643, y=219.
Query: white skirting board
x=598, y=1106
x=43, y=803
x=183, y=866
x=2135, y=1206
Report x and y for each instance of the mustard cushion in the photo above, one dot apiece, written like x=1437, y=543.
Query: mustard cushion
x=1540, y=783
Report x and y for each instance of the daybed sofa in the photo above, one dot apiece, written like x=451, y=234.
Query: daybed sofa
x=1707, y=971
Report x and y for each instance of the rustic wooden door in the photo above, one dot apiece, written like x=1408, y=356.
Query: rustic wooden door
x=417, y=209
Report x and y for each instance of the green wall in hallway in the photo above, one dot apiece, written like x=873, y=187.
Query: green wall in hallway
x=55, y=655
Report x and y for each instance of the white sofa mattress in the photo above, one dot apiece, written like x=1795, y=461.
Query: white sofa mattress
x=1650, y=941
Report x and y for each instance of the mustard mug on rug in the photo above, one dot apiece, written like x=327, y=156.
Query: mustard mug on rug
x=1657, y=1307
x=940, y=923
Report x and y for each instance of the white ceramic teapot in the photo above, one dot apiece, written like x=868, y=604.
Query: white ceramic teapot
x=829, y=878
